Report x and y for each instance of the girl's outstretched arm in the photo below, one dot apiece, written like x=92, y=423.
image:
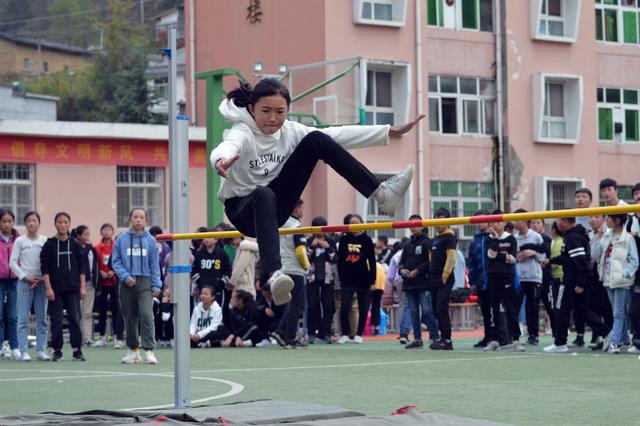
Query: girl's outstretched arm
x=405, y=128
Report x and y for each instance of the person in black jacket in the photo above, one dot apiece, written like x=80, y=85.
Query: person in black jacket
x=502, y=252
x=414, y=270
x=83, y=235
x=267, y=316
x=240, y=321
x=211, y=267
x=545, y=294
x=322, y=256
x=575, y=259
x=63, y=264
x=357, y=271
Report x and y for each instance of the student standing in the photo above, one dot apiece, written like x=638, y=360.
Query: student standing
x=478, y=273
x=137, y=265
x=64, y=267
x=83, y=235
x=25, y=264
x=8, y=283
x=442, y=261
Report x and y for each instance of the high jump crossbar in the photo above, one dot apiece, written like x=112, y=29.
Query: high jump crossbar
x=427, y=223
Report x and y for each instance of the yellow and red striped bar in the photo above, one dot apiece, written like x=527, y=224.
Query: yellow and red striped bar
x=427, y=223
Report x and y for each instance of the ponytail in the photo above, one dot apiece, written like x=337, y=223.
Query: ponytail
x=245, y=95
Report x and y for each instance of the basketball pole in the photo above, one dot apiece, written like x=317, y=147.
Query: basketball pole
x=427, y=223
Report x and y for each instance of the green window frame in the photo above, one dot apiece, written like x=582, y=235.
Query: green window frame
x=627, y=102
x=617, y=21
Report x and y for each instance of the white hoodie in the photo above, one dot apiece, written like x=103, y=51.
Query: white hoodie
x=204, y=322
x=262, y=156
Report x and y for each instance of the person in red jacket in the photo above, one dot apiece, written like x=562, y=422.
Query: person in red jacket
x=108, y=290
x=8, y=282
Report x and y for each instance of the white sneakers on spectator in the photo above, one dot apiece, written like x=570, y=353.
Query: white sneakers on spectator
x=357, y=339
x=518, y=347
x=556, y=349
x=342, y=340
x=281, y=286
x=492, y=346
x=132, y=357
x=43, y=356
x=118, y=344
x=16, y=354
x=25, y=356
x=264, y=343
x=150, y=358
x=99, y=343
x=390, y=193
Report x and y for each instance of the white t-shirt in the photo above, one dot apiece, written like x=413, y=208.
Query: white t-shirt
x=25, y=256
x=262, y=156
x=204, y=322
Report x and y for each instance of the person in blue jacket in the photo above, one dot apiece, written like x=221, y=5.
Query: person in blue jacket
x=478, y=278
x=135, y=260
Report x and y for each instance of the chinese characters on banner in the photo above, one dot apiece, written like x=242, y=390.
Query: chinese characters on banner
x=254, y=12
x=18, y=149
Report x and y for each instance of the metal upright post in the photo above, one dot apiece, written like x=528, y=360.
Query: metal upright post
x=180, y=268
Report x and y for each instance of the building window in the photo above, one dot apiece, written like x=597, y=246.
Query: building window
x=554, y=124
x=552, y=18
x=160, y=87
x=25, y=64
x=618, y=115
x=557, y=108
x=140, y=187
x=561, y=195
x=617, y=21
x=473, y=15
x=462, y=198
x=16, y=188
x=462, y=105
x=380, y=12
x=45, y=66
x=378, y=104
x=555, y=20
x=386, y=92
x=369, y=210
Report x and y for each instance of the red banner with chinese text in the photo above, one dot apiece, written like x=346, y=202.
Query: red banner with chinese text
x=121, y=152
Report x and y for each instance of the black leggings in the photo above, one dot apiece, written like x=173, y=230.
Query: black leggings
x=69, y=301
x=321, y=309
x=376, y=301
x=364, y=298
x=260, y=213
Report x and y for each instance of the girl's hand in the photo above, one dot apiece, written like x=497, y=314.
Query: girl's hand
x=131, y=282
x=83, y=293
x=223, y=165
x=405, y=128
x=51, y=296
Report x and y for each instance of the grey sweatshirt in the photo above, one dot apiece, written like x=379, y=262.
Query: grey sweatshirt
x=529, y=269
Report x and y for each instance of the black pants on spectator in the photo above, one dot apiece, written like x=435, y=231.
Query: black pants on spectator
x=546, y=294
x=163, y=329
x=215, y=338
x=69, y=301
x=248, y=331
x=531, y=290
x=485, y=309
x=634, y=314
x=289, y=323
x=321, y=306
x=440, y=295
x=108, y=301
x=266, y=324
x=376, y=302
x=565, y=299
x=260, y=213
x=502, y=291
x=600, y=304
x=346, y=297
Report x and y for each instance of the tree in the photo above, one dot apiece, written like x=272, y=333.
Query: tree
x=74, y=22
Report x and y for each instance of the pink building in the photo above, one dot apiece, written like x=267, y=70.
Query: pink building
x=527, y=100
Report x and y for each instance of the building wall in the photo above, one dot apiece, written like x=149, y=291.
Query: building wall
x=21, y=106
x=12, y=56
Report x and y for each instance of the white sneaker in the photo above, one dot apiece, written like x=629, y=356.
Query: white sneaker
x=25, y=356
x=556, y=349
x=613, y=348
x=150, y=358
x=342, y=340
x=6, y=350
x=264, y=343
x=281, y=285
x=118, y=344
x=16, y=354
x=607, y=341
x=357, y=339
x=132, y=357
x=633, y=349
x=518, y=347
x=99, y=343
x=43, y=356
x=492, y=346
x=390, y=193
